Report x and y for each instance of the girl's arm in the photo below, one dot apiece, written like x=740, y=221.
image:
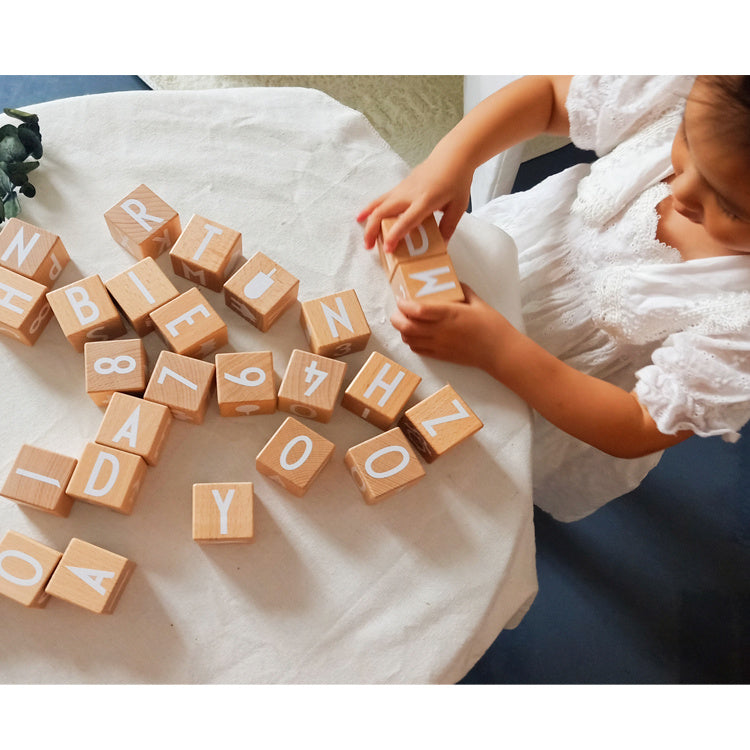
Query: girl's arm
x=519, y=111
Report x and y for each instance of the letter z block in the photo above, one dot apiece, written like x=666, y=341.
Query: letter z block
x=35, y=253
x=114, y=366
x=245, y=383
x=423, y=242
x=335, y=325
x=223, y=512
x=24, y=310
x=143, y=224
x=429, y=280
x=90, y=577
x=25, y=569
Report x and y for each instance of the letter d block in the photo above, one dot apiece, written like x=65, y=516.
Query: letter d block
x=423, y=242
x=33, y=252
x=245, y=383
x=429, y=280
x=25, y=568
x=86, y=312
x=223, y=512
x=335, y=325
x=24, y=310
x=113, y=366
x=90, y=577
x=143, y=224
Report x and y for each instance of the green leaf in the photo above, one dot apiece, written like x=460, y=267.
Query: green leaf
x=31, y=141
x=21, y=115
x=8, y=129
x=6, y=186
x=2, y=212
x=28, y=190
x=12, y=149
x=18, y=178
x=12, y=207
x=18, y=166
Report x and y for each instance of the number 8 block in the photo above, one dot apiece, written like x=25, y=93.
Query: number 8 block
x=114, y=366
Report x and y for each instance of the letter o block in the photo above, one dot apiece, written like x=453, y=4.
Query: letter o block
x=25, y=569
x=245, y=383
x=223, y=512
x=32, y=252
x=427, y=280
x=114, y=366
x=423, y=242
x=24, y=310
x=335, y=325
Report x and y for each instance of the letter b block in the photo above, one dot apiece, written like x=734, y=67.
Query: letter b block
x=33, y=252
x=24, y=310
x=335, y=325
x=25, y=568
x=223, y=512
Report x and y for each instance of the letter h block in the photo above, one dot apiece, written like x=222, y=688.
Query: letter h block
x=245, y=383
x=421, y=243
x=25, y=569
x=114, y=366
x=24, y=310
x=223, y=512
x=32, y=252
x=335, y=325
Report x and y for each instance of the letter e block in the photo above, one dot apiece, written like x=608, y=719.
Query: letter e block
x=423, y=242
x=438, y=423
x=25, y=569
x=294, y=456
x=429, y=280
x=113, y=366
x=335, y=325
x=245, y=383
x=223, y=512
x=90, y=577
x=24, y=310
x=35, y=253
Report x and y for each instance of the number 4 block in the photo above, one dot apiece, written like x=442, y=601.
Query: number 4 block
x=311, y=385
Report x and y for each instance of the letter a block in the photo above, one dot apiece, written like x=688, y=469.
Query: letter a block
x=25, y=569
x=114, y=366
x=223, y=512
x=294, y=456
x=423, y=242
x=39, y=479
x=380, y=390
x=383, y=465
x=245, y=383
x=439, y=423
x=143, y=224
x=335, y=325
x=24, y=310
x=206, y=253
x=86, y=312
x=190, y=326
x=429, y=280
x=33, y=252
x=90, y=577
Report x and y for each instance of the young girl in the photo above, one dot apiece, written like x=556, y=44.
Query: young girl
x=635, y=272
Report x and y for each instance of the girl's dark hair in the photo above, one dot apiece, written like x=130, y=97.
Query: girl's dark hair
x=732, y=94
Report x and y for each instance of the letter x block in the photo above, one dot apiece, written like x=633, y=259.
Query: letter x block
x=90, y=577
x=25, y=568
x=143, y=224
x=335, y=325
x=24, y=310
x=190, y=326
x=245, y=383
x=294, y=456
x=86, y=312
x=440, y=422
x=33, y=252
x=427, y=280
x=223, y=512
x=423, y=242
x=114, y=366
x=39, y=479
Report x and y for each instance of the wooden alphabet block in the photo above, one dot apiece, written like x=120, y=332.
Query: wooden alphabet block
x=429, y=280
x=380, y=390
x=143, y=224
x=108, y=477
x=383, y=465
x=25, y=569
x=294, y=456
x=423, y=242
x=24, y=310
x=260, y=291
x=335, y=325
x=190, y=326
x=245, y=383
x=86, y=312
x=206, y=253
x=114, y=366
x=439, y=423
x=311, y=385
x=183, y=384
x=136, y=426
x=39, y=478
x=32, y=252
x=139, y=291
x=90, y=577
x=223, y=512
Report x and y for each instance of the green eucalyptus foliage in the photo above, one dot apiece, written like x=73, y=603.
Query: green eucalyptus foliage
x=18, y=143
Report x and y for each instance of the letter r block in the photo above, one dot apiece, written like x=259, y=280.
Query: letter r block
x=32, y=252
x=423, y=242
x=223, y=512
x=335, y=325
x=24, y=310
x=25, y=568
x=428, y=280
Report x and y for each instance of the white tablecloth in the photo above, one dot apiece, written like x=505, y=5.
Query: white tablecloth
x=332, y=590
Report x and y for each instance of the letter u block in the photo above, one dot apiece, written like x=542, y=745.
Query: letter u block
x=24, y=310
x=32, y=252
x=114, y=366
x=223, y=512
x=39, y=478
x=428, y=280
x=423, y=242
x=86, y=312
x=245, y=383
x=143, y=224
x=25, y=569
x=335, y=325
x=90, y=577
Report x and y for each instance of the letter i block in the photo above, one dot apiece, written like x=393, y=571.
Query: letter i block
x=383, y=465
x=206, y=253
x=24, y=310
x=86, y=312
x=183, y=384
x=335, y=325
x=90, y=577
x=114, y=366
x=39, y=478
x=139, y=291
x=380, y=390
x=423, y=242
x=143, y=224
x=33, y=252
x=439, y=423
x=294, y=456
x=136, y=426
x=223, y=512
x=190, y=326
x=245, y=383
x=25, y=569
x=428, y=280
x=311, y=385
x=108, y=477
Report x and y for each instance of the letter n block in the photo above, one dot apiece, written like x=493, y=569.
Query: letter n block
x=245, y=383
x=143, y=224
x=114, y=366
x=423, y=242
x=24, y=310
x=90, y=577
x=39, y=479
x=384, y=465
x=440, y=422
x=86, y=312
x=294, y=456
x=223, y=512
x=380, y=390
x=427, y=280
x=33, y=252
x=335, y=325
x=25, y=569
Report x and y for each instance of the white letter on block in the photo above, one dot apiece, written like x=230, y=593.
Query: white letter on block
x=242, y=378
x=79, y=301
x=142, y=217
x=342, y=317
x=388, y=388
x=23, y=250
x=305, y=454
x=390, y=472
x=429, y=278
x=422, y=248
x=187, y=318
x=129, y=428
x=460, y=413
x=92, y=578
x=223, y=506
x=210, y=232
x=10, y=292
x=26, y=558
x=141, y=287
x=91, y=485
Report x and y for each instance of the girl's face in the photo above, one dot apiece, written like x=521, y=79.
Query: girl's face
x=711, y=186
